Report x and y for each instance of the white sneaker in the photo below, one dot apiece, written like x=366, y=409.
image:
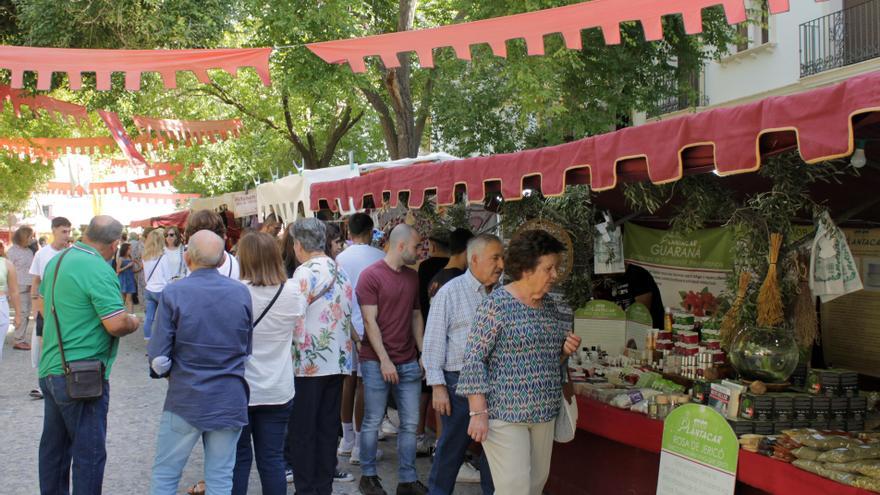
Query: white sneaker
x=423, y=446
x=467, y=474
x=388, y=427
x=345, y=448
x=343, y=477
x=355, y=458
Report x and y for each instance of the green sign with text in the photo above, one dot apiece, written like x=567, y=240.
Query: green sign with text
x=700, y=453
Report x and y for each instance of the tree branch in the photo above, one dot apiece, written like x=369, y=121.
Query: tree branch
x=221, y=94
x=336, y=133
x=307, y=155
x=388, y=128
x=425, y=107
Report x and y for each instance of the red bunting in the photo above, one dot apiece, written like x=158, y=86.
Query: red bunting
x=75, y=61
x=188, y=130
x=47, y=149
x=119, y=186
x=53, y=187
x=173, y=168
x=154, y=181
x=121, y=137
x=139, y=196
x=55, y=108
x=569, y=20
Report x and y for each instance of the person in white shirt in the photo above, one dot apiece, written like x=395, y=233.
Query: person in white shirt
x=173, y=265
x=60, y=241
x=211, y=220
x=277, y=308
x=353, y=260
x=154, y=275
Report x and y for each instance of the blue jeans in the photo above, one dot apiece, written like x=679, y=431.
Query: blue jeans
x=73, y=430
x=266, y=424
x=406, y=393
x=175, y=443
x=151, y=303
x=453, y=444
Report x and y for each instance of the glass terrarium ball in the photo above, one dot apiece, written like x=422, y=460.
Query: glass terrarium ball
x=766, y=354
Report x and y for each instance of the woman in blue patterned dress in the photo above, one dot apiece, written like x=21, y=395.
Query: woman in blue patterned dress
x=512, y=374
x=125, y=269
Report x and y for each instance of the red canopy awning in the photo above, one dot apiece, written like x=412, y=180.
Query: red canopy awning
x=727, y=140
x=176, y=219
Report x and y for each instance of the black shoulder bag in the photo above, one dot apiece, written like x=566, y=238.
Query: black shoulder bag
x=85, y=378
x=269, y=306
x=154, y=268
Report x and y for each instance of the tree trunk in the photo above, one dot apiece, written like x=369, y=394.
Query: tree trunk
x=397, y=115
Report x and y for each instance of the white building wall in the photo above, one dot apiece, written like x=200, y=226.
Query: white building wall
x=79, y=210
x=767, y=67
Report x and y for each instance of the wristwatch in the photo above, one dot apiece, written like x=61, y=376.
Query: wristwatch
x=478, y=413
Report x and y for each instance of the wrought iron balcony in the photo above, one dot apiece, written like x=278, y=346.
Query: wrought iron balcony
x=682, y=96
x=846, y=37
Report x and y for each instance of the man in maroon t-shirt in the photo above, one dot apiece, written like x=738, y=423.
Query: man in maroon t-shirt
x=388, y=293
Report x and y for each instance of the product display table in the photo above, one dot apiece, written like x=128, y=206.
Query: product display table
x=618, y=452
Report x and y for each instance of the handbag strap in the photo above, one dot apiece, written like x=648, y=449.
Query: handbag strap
x=271, y=303
x=55, y=313
x=154, y=267
x=328, y=286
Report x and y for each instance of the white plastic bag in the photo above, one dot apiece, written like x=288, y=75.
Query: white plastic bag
x=566, y=420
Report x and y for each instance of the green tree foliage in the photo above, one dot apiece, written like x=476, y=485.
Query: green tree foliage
x=315, y=113
x=494, y=105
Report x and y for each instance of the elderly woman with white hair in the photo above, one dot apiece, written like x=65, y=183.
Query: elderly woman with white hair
x=321, y=358
x=512, y=373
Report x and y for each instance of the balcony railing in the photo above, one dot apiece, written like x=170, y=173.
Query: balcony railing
x=689, y=95
x=846, y=37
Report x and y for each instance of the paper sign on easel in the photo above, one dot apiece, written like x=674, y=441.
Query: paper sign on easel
x=602, y=324
x=700, y=453
x=638, y=324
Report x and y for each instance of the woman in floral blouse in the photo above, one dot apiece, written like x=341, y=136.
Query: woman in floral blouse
x=512, y=374
x=322, y=351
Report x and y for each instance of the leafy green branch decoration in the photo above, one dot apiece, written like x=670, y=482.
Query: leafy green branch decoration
x=575, y=212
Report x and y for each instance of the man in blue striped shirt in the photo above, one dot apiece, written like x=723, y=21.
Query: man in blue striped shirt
x=453, y=310
x=202, y=338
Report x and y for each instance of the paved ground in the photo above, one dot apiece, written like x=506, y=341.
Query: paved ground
x=135, y=406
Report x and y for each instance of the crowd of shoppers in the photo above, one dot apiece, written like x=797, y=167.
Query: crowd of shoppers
x=271, y=352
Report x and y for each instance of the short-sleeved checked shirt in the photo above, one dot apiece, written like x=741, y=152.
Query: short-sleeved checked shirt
x=87, y=293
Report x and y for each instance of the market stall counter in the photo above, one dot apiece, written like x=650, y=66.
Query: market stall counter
x=618, y=452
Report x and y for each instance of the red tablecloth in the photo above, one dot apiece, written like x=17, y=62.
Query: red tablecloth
x=638, y=431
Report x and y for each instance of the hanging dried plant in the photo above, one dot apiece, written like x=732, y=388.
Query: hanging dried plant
x=728, y=324
x=806, y=326
x=770, y=311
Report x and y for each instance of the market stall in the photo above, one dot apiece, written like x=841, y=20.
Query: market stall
x=289, y=197
x=618, y=451
x=749, y=267
x=176, y=219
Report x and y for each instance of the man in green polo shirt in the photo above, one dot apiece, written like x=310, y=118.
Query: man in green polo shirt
x=85, y=293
